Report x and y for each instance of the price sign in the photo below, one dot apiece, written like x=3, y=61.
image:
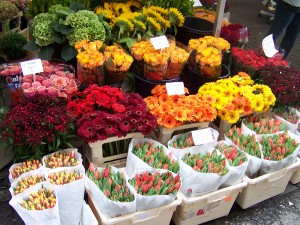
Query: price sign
x=175, y=88
x=160, y=42
x=197, y=3
x=32, y=67
x=202, y=136
x=269, y=46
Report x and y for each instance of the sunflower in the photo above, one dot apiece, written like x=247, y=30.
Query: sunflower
x=163, y=22
x=175, y=17
x=133, y=5
x=232, y=117
x=153, y=24
x=138, y=25
x=168, y=121
x=124, y=23
x=120, y=8
x=160, y=10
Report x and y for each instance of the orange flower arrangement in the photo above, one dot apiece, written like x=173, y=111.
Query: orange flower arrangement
x=177, y=61
x=176, y=110
x=90, y=62
x=140, y=48
x=117, y=64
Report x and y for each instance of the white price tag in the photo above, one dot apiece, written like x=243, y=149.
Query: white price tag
x=32, y=67
x=197, y=3
x=175, y=88
x=269, y=46
x=202, y=136
x=160, y=42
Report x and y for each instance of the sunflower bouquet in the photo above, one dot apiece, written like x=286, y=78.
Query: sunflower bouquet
x=90, y=62
x=176, y=110
x=117, y=64
x=237, y=96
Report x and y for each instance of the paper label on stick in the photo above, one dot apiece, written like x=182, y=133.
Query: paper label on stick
x=269, y=46
x=32, y=67
x=175, y=88
x=202, y=136
x=197, y=3
x=160, y=42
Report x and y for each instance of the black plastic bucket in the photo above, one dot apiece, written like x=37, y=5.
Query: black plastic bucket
x=193, y=28
x=143, y=86
x=192, y=80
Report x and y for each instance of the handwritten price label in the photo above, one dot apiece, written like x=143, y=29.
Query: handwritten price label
x=32, y=67
x=269, y=46
x=175, y=88
x=202, y=136
x=160, y=42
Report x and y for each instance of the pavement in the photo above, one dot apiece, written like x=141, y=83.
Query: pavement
x=283, y=209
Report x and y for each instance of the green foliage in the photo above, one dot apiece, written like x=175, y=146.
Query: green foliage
x=12, y=45
x=64, y=26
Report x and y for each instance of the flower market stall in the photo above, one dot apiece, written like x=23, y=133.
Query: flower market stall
x=167, y=131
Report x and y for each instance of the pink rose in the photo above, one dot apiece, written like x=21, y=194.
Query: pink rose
x=39, y=78
x=36, y=84
x=41, y=90
x=28, y=78
x=60, y=82
x=29, y=92
x=26, y=85
x=46, y=83
x=60, y=73
x=52, y=91
x=62, y=94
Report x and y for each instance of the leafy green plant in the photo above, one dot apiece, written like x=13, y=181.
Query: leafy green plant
x=62, y=27
x=12, y=45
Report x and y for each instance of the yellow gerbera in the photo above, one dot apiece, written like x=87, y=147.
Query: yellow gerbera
x=232, y=117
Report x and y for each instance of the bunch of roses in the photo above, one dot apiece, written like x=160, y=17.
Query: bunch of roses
x=235, y=34
x=284, y=82
x=176, y=110
x=37, y=126
x=252, y=59
x=107, y=111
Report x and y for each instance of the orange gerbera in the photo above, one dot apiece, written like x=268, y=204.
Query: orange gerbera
x=247, y=109
x=168, y=121
x=197, y=113
x=180, y=115
x=163, y=98
x=164, y=108
x=175, y=99
x=222, y=114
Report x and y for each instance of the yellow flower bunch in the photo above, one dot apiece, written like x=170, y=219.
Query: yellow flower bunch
x=160, y=10
x=156, y=58
x=117, y=59
x=178, y=55
x=140, y=48
x=151, y=22
x=89, y=55
x=209, y=41
x=108, y=14
x=242, y=79
x=231, y=98
x=209, y=56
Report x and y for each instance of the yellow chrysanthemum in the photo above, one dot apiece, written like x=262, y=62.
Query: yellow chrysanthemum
x=232, y=117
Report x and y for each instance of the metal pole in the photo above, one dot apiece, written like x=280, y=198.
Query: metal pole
x=219, y=17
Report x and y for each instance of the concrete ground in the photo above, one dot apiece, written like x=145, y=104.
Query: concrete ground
x=283, y=209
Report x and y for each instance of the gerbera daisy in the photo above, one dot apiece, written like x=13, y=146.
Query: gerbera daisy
x=169, y=121
x=232, y=117
x=125, y=126
x=103, y=100
x=180, y=115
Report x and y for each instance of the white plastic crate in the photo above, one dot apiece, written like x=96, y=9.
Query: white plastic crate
x=207, y=207
x=96, y=149
x=165, y=134
x=157, y=216
x=266, y=186
x=296, y=175
x=87, y=216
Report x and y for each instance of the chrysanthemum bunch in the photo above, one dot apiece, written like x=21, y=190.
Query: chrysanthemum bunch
x=176, y=110
x=107, y=111
x=237, y=95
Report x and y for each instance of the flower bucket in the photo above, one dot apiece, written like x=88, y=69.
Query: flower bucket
x=114, y=76
x=87, y=76
x=11, y=76
x=211, y=71
x=155, y=73
x=193, y=80
x=194, y=27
